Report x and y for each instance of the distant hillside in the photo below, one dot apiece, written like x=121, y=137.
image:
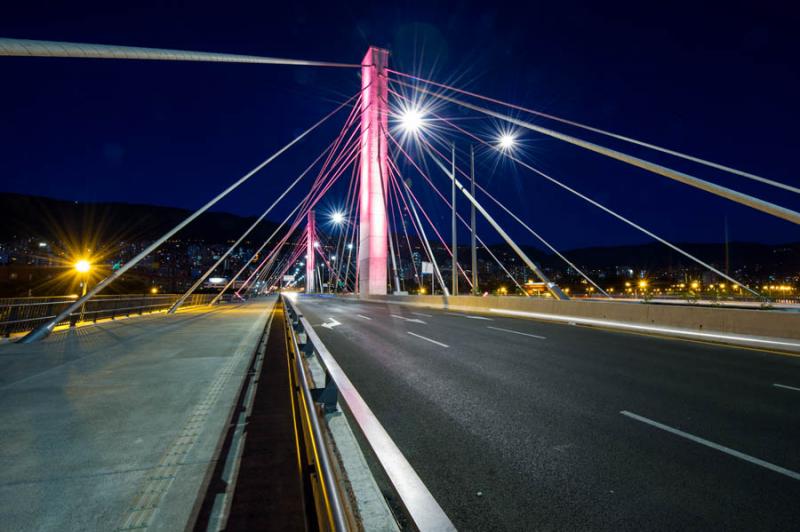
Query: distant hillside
x=58, y=220
x=51, y=219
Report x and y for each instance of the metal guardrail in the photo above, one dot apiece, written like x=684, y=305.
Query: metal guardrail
x=417, y=502
x=23, y=314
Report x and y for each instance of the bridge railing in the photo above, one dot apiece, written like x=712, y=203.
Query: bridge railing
x=338, y=394
x=21, y=314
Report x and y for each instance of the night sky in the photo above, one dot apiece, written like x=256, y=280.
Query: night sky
x=719, y=82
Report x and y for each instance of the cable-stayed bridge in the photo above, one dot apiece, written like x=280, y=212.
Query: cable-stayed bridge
x=461, y=409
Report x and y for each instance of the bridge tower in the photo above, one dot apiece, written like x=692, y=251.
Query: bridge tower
x=311, y=233
x=373, y=244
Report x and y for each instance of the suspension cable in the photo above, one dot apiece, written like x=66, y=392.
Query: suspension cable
x=613, y=135
x=718, y=190
x=34, y=48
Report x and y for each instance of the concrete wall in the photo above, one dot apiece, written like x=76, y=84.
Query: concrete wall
x=767, y=323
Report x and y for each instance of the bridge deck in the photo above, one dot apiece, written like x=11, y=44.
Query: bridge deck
x=114, y=426
x=516, y=424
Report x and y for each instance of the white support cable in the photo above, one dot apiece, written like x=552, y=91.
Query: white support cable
x=305, y=204
x=607, y=210
x=46, y=328
x=464, y=222
x=534, y=233
x=639, y=227
x=208, y=272
x=34, y=48
x=331, y=148
x=393, y=194
x=308, y=204
x=439, y=235
x=718, y=190
x=611, y=134
x=552, y=287
x=342, y=238
x=421, y=232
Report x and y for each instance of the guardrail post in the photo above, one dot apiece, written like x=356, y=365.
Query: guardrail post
x=327, y=396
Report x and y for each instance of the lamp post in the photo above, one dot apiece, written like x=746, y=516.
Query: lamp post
x=83, y=267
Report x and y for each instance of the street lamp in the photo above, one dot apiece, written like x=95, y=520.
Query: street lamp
x=337, y=218
x=83, y=267
x=411, y=120
x=507, y=141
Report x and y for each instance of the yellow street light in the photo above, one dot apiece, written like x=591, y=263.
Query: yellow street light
x=83, y=266
x=642, y=284
x=154, y=290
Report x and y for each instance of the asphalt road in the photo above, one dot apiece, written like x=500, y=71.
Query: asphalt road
x=518, y=425
x=114, y=426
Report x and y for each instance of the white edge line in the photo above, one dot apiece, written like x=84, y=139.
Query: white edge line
x=517, y=332
x=786, y=387
x=428, y=339
x=422, y=506
x=362, y=316
x=422, y=314
x=648, y=328
x=727, y=450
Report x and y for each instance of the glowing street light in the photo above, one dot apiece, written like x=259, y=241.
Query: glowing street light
x=316, y=244
x=411, y=120
x=507, y=141
x=337, y=218
x=83, y=266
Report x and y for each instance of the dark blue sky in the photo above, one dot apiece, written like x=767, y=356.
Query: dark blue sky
x=720, y=82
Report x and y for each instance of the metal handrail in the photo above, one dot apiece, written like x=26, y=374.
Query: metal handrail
x=322, y=462
x=19, y=315
x=417, y=501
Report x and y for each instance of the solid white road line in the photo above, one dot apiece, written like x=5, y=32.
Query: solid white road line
x=421, y=314
x=471, y=317
x=573, y=320
x=787, y=387
x=727, y=450
x=516, y=332
x=412, y=320
x=428, y=339
x=362, y=316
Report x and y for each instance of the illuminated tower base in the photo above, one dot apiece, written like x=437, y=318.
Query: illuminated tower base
x=373, y=245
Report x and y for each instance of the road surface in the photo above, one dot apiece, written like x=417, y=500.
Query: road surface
x=522, y=425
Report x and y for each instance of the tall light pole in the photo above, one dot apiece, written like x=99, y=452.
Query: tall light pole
x=473, y=248
x=453, y=227
x=83, y=267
